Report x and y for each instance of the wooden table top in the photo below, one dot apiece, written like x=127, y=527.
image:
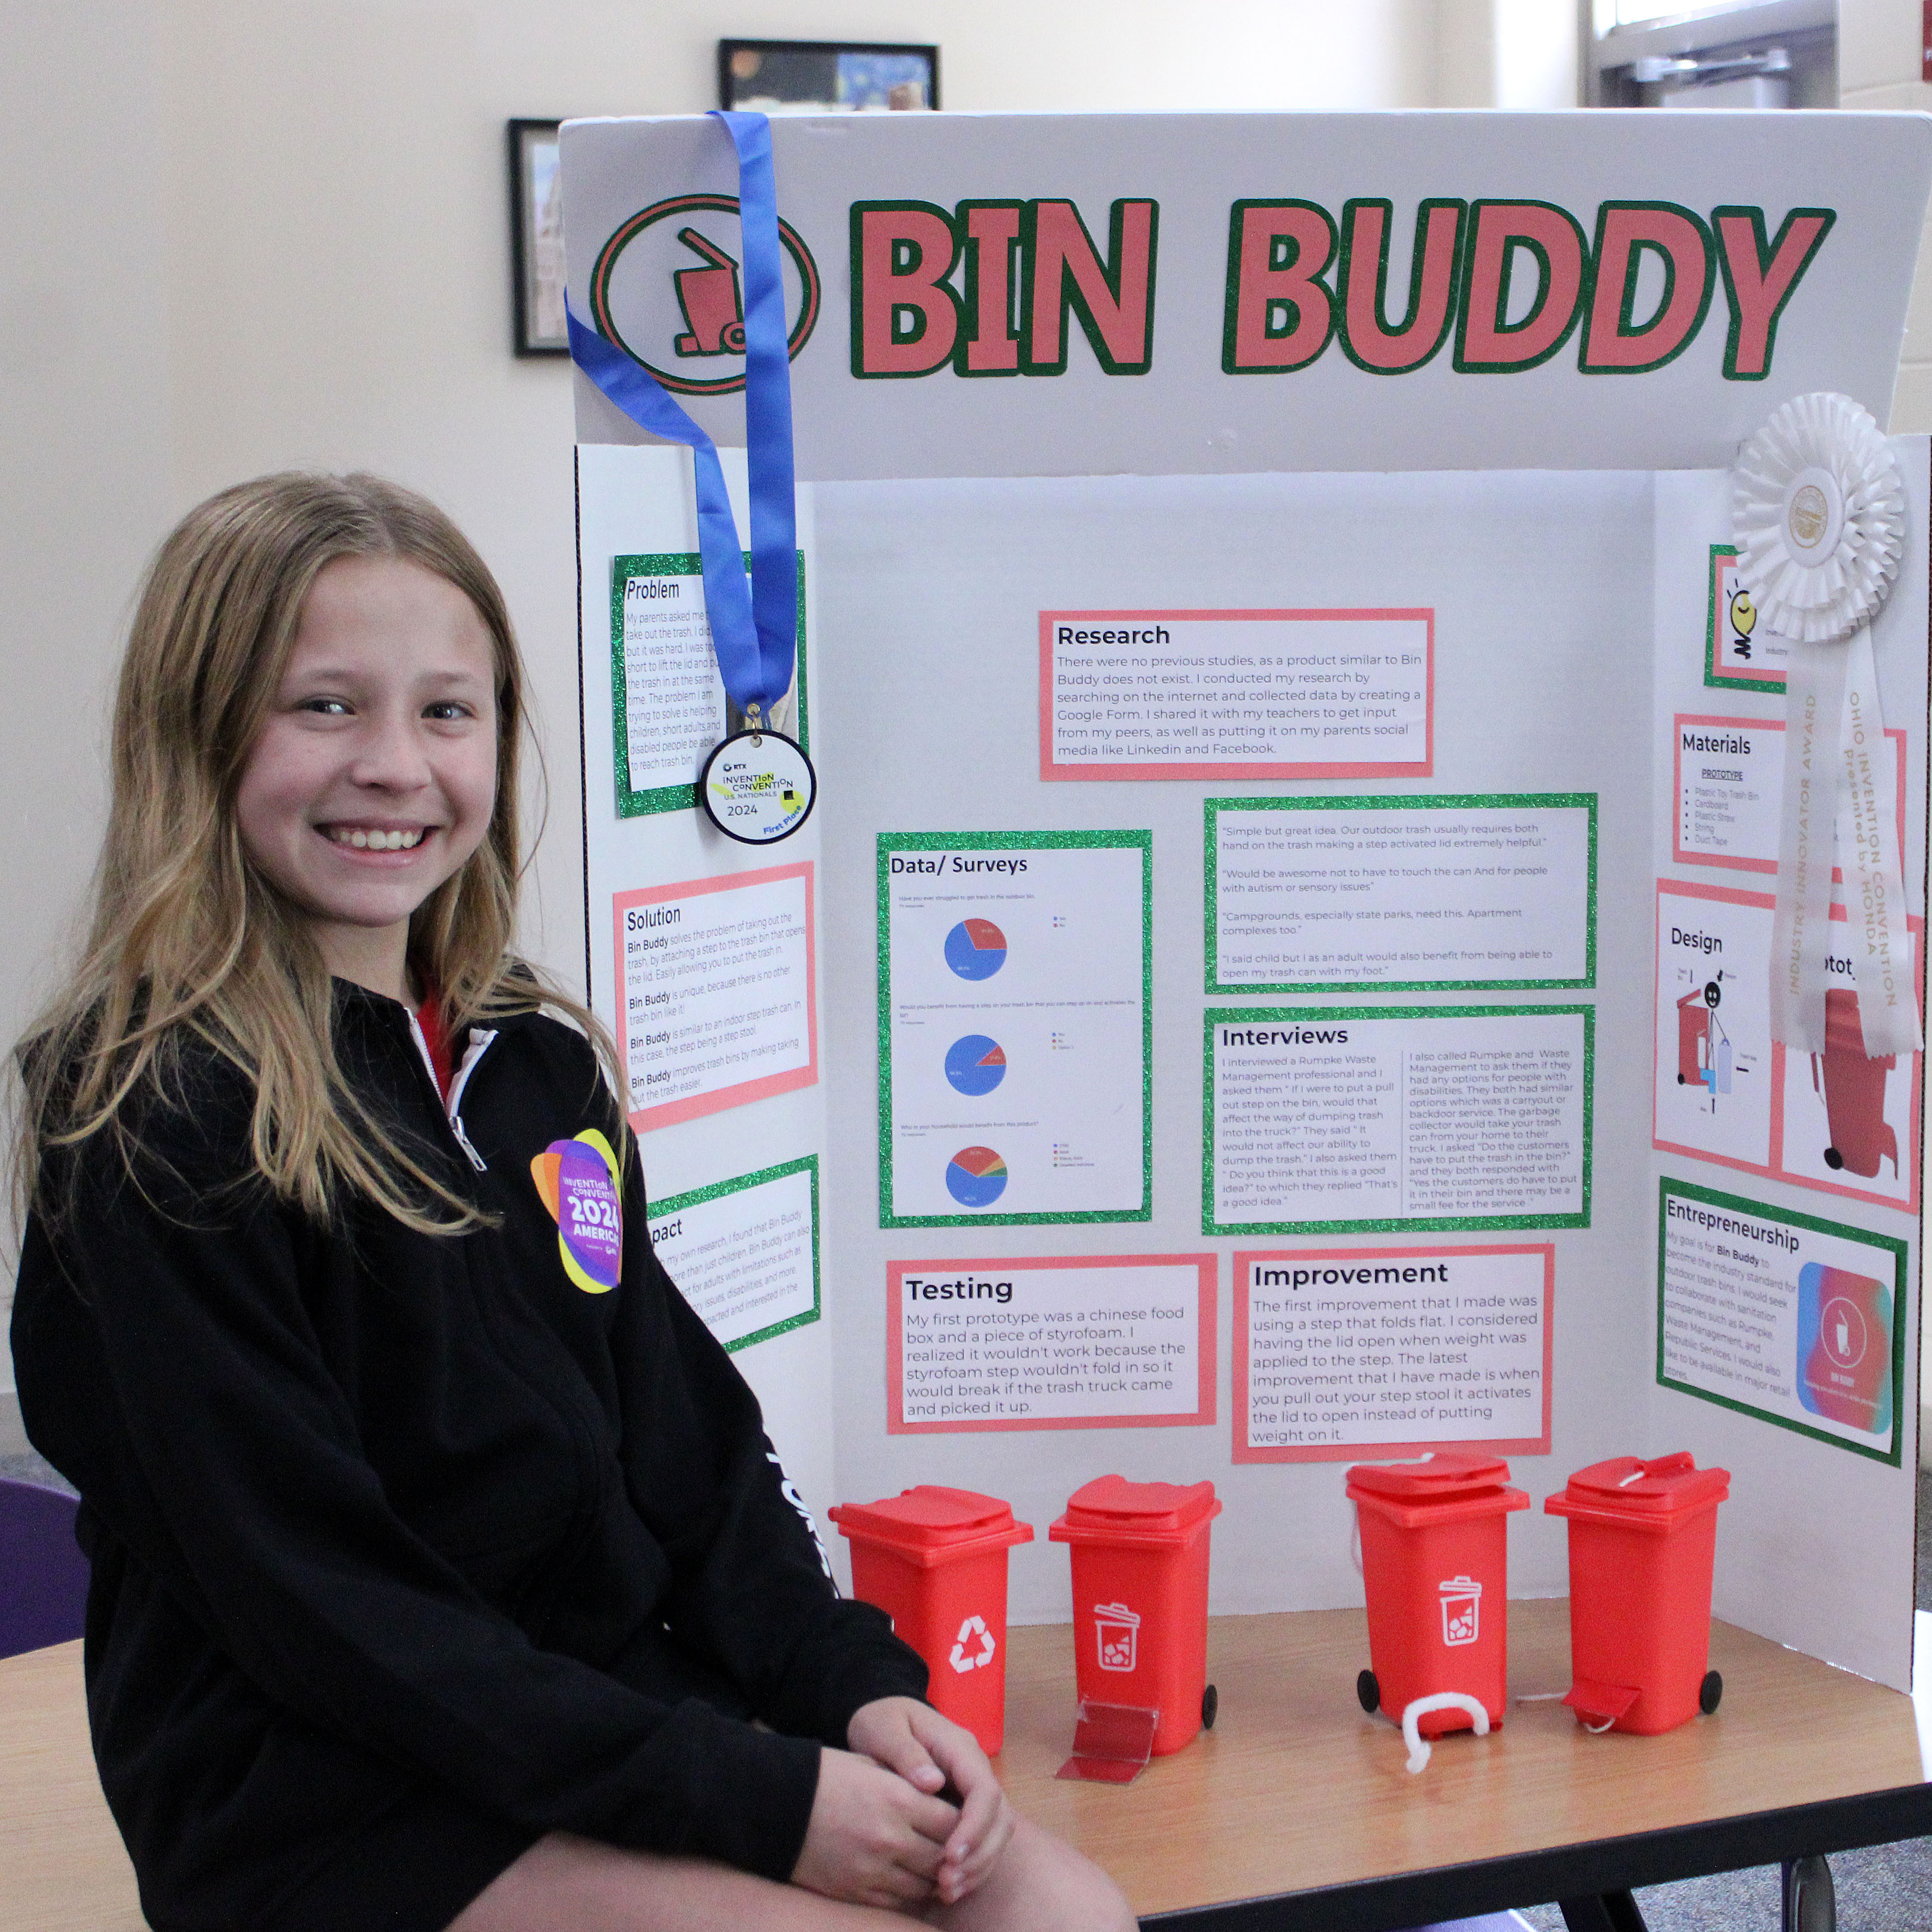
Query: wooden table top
x=62, y=1867
x=1294, y=1788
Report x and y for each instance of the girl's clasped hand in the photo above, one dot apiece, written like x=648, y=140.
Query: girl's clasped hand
x=880, y=1833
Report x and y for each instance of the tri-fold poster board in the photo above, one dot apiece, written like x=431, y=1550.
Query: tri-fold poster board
x=1277, y=973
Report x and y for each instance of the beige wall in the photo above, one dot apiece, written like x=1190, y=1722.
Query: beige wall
x=1879, y=66
x=85, y=488
x=1515, y=54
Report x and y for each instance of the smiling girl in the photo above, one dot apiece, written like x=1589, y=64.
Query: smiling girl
x=443, y=1576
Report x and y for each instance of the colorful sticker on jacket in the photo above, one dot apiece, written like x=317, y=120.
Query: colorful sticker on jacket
x=579, y=1181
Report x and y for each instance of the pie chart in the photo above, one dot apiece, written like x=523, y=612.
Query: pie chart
x=975, y=1176
x=976, y=1065
x=975, y=949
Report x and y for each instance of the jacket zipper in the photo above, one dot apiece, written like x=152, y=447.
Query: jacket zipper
x=479, y=1044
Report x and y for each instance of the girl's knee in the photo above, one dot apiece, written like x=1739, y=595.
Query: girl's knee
x=1041, y=1885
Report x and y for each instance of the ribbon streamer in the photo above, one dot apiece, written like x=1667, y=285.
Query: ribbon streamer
x=1814, y=702
x=1870, y=859
x=754, y=630
x=1818, y=506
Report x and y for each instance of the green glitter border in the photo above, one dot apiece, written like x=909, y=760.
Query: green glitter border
x=889, y=842
x=1211, y=811
x=1422, y=1225
x=671, y=563
x=1710, y=1197
x=697, y=1197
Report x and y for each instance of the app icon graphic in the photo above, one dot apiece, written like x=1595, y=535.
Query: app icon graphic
x=1844, y=1347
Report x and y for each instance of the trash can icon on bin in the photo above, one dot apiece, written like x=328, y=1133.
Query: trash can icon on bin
x=934, y=1560
x=1140, y=1599
x=1117, y=1632
x=1462, y=1611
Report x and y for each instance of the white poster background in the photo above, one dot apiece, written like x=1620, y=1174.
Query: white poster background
x=1532, y=679
x=632, y=501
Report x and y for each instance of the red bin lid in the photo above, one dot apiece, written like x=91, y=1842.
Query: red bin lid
x=1667, y=1486
x=1449, y=1475
x=1112, y=1501
x=1111, y=1505
x=932, y=1517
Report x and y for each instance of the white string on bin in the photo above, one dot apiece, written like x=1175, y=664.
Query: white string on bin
x=1419, y=1748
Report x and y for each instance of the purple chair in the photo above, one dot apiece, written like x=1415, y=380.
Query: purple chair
x=42, y=1574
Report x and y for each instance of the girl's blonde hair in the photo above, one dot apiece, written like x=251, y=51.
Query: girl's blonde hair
x=189, y=945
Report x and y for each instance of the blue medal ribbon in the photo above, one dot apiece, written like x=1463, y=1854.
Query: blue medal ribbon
x=754, y=630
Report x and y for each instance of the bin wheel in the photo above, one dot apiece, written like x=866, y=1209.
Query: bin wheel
x=1210, y=1706
x=733, y=337
x=1680, y=1080
x=1710, y=1692
x=1369, y=1693
x=1834, y=1159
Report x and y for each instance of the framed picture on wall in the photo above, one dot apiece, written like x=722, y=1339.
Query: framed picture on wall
x=827, y=76
x=536, y=240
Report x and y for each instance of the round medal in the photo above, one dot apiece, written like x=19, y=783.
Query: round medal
x=758, y=786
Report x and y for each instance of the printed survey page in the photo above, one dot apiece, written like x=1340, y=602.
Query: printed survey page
x=1014, y=1012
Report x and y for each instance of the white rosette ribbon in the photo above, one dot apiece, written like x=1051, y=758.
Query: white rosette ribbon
x=1818, y=510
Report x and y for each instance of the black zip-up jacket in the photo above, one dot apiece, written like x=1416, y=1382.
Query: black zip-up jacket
x=407, y=1549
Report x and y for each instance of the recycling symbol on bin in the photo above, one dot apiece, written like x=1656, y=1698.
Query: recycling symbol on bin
x=961, y=1659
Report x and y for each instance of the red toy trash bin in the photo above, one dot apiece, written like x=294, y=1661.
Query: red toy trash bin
x=1853, y=1088
x=1140, y=1598
x=1642, y=1538
x=1693, y=1028
x=1435, y=1566
x=934, y=1560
